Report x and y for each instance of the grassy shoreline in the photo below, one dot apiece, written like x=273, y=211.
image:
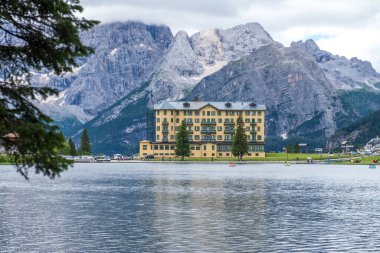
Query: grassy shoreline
x=270, y=158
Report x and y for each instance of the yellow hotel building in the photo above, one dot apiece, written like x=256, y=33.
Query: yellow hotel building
x=211, y=127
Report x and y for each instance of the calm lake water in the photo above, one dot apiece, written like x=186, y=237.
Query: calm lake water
x=192, y=208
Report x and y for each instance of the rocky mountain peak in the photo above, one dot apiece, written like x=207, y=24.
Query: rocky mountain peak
x=309, y=46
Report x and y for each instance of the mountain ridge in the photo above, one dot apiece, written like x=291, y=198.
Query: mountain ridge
x=181, y=65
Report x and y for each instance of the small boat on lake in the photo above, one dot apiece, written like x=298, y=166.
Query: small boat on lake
x=372, y=166
x=232, y=165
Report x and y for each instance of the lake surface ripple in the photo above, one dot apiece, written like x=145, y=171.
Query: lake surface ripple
x=192, y=208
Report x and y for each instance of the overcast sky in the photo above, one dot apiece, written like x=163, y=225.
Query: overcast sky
x=345, y=27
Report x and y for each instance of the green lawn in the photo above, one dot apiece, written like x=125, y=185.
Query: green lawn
x=363, y=160
x=4, y=159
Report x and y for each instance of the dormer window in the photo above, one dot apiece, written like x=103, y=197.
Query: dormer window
x=252, y=104
x=228, y=104
x=186, y=104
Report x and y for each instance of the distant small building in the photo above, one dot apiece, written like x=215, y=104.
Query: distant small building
x=373, y=146
x=346, y=146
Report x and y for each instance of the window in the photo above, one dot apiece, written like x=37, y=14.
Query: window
x=257, y=154
x=158, y=120
x=177, y=128
x=212, y=113
x=196, y=120
x=203, y=113
x=227, y=137
x=161, y=147
x=165, y=112
x=172, y=147
x=246, y=128
x=196, y=137
x=166, y=147
x=171, y=120
x=232, y=113
x=258, y=128
x=208, y=113
x=212, y=154
x=220, y=120
x=247, y=113
x=171, y=137
x=196, y=128
x=213, y=147
x=157, y=137
x=204, y=147
x=248, y=137
x=238, y=113
x=247, y=120
x=259, y=113
x=177, y=120
x=204, y=154
x=165, y=120
x=184, y=113
x=172, y=113
x=198, y=148
x=259, y=120
x=219, y=137
x=220, y=128
x=219, y=113
x=177, y=112
x=145, y=147
x=220, y=154
x=155, y=147
x=192, y=148
x=259, y=137
x=254, y=113
x=190, y=113
x=227, y=154
x=196, y=113
x=158, y=128
x=172, y=128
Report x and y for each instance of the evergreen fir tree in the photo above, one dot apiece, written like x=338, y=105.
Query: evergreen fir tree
x=36, y=36
x=72, y=150
x=182, y=145
x=289, y=148
x=85, y=146
x=240, y=145
x=297, y=148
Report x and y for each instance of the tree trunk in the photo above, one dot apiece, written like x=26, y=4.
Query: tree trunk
x=182, y=158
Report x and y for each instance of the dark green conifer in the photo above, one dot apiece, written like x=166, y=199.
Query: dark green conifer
x=36, y=35
x=85, y=145
x=240, y=145
x=72, y=150
x=182, y=145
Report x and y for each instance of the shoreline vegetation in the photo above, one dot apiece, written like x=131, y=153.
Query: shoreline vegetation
x=270, y=157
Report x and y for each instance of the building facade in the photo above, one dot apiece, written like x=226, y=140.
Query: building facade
x=211, y=127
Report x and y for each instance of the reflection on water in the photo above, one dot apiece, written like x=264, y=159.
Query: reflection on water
x=191, y=208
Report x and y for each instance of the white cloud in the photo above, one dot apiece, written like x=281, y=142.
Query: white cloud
x=350, y=27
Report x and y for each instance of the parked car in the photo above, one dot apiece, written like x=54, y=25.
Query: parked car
x=117, y=157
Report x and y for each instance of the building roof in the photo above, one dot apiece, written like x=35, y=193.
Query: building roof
x=374, y=141
x=192, y=105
